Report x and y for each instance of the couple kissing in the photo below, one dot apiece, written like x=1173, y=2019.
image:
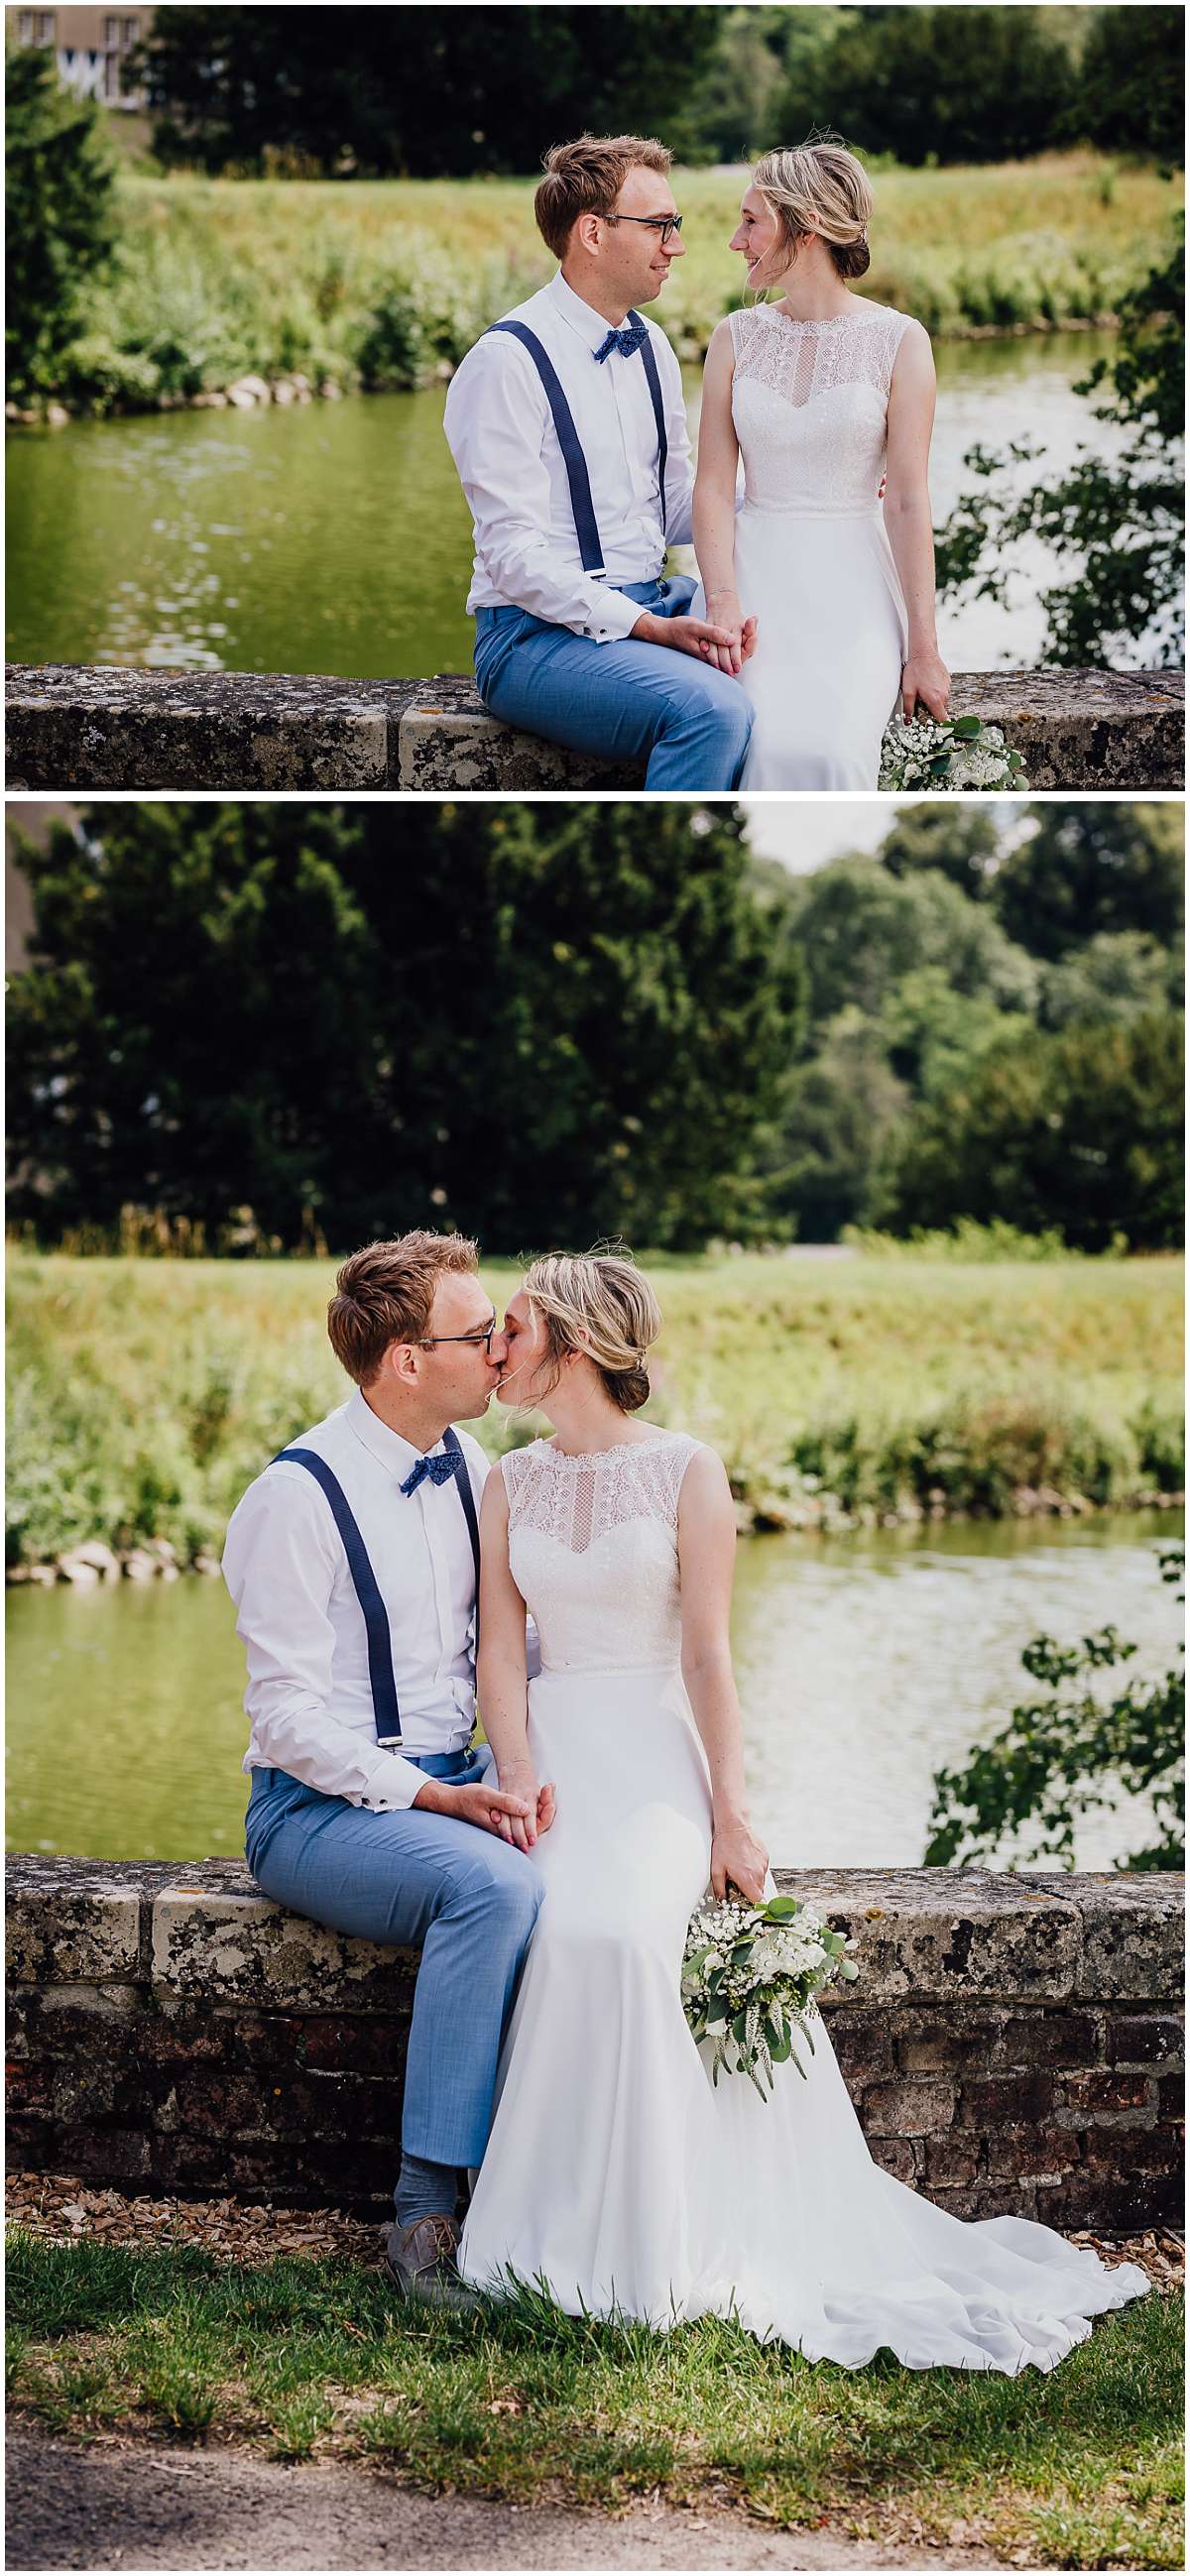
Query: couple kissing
x=386, y=1579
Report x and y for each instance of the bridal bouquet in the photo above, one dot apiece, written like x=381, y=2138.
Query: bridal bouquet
x=949, y=759
x=750, y=1976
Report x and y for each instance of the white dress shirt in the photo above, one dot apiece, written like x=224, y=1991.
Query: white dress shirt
x=309, y=1699
x=502, y=437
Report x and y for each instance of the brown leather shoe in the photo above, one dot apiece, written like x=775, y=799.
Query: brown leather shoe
x=421, y=2261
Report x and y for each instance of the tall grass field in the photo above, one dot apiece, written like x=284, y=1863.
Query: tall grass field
x=144, y=1395
x=388, y=282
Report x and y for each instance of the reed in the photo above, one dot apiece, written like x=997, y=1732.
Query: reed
x=387, y=283
x=145, y=1394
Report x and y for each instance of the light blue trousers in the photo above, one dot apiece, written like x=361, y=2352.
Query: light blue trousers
x=467, y=1900
x=623, y=702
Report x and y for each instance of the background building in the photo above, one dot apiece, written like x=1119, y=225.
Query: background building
x=89, y=45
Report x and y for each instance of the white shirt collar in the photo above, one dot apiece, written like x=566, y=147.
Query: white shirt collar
x=391, y=1448
x=582, y=317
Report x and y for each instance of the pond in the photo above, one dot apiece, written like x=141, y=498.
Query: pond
x=863, y=1663
x=334, y=538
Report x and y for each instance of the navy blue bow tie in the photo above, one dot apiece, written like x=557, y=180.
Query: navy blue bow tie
x=627, y=342
x=439, y=1470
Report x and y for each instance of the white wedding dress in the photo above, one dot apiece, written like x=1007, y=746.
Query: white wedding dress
x=615, y=2175
x=813, y=564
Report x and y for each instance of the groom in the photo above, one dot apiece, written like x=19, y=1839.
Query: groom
x=568, y=428
x=353, y=1562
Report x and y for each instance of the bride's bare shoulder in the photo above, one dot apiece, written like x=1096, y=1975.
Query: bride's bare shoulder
x=722, y=347
x=703, y=1476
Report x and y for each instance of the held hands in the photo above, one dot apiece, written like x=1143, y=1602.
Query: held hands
x=740, y=631
x=536, y=1801
x=736, y=1855
x=925, y=677
x=495, y=1811
x=719, y=646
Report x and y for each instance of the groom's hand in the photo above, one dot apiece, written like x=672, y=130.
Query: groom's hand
x=540, y=1801
x=682, y=635
x=741, y=634
x=474, y=1803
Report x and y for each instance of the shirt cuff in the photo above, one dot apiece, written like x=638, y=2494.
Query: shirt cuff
x=393, y=1785
x=618, y=616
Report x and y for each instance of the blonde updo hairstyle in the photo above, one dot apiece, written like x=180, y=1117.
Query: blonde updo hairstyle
x=820, y=188
x=598, y=1303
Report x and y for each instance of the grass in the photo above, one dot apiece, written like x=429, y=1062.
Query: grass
x=144, y=1395
x=389, y=282
x=1077, y=2469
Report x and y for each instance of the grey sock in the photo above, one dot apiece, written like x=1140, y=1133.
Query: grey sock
x=424, y=2190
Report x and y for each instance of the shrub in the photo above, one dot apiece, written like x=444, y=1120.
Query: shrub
x=1061, y=1757
x=59, y=216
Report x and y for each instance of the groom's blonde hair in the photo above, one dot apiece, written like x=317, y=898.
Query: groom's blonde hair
x=385, y=1294
x=820, y=187
x=598, y=1303
x=585, y=178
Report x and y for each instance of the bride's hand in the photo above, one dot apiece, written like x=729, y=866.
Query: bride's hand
x=741, y=650
x=518, y=1780
x=736, y=1855
x=724, y=610
x=925, y=676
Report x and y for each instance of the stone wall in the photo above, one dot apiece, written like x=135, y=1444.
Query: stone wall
x=89, y=729
x=1013, y=2044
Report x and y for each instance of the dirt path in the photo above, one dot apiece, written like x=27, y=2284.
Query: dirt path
x=133, y=2505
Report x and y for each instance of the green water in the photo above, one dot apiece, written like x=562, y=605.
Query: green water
x=863, y=1663
x=334, y=538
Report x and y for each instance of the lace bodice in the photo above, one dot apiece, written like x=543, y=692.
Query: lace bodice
x=593, y=1545
x=810, y=406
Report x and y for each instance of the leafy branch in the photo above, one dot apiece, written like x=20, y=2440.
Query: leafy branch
x=1117, y=523
x=1068, y=1755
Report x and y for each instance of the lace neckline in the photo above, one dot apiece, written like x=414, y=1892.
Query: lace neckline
x=617, y=1449
x=830, y=322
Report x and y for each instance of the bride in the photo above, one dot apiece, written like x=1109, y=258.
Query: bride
x=615, y=2176
x=822, y=393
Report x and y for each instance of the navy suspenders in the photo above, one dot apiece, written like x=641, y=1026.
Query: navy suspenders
x=375, y=1616
x=585, y=522
x=649, y=363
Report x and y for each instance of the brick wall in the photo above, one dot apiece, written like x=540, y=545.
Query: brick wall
x=1013, y=2044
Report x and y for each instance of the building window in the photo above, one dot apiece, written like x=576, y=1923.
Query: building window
x=45, y=26
x=111, y=33
x=24, y=26
x=131, y=28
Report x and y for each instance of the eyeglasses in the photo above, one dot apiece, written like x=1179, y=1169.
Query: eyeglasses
x=664, y=225
x=474, y=1341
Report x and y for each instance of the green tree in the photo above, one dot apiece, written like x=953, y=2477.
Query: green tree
x=729, y=117
x=957, y=838
x=1083, y=869
x=426, y=92
x=1116, y=522
x=804, y=101
x=1131, y=95
x=1117, y=975
x=542, y=1022
x=58, y=212
x=933, y=1034
x=766, y=85
x=837, y=1116
x=1079, y=1130
x=1067, y=1755
x=862, y=929
x=936, y=84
